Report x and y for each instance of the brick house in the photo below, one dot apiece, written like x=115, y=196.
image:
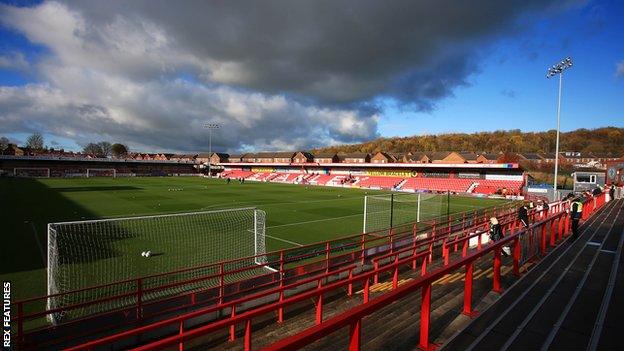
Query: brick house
x=12, y=150
x=217, y=157
x=416, y=157
x=235, y=158
x=443, y=157
x=303, y=157
x=531, y=157
x=470, y=157
x=356, y=157
x=487, y=157
x=283, y=157
x=383, y=157
x=326, y=158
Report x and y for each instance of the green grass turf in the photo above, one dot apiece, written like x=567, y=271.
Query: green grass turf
x=295, y=213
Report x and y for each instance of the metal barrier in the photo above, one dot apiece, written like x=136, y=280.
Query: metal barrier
x=414, y=259
x=353, y=318
x=395, y=249
x=291, y=264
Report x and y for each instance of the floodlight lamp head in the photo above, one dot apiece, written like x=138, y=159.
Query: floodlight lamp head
x=211, y=126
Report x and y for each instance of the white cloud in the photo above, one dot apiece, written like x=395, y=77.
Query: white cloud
x=170, y=115
x=15, y=60
x=118, y=81
x=150, y=74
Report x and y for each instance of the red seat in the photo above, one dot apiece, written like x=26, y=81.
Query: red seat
x=438, y=184
x=379, y=182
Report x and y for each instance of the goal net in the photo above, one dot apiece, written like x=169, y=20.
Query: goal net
x=31, y=172
x=101, y=172
x=392, y=210
x=182, y=247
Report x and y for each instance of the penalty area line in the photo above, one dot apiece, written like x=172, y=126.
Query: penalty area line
x=284, y=240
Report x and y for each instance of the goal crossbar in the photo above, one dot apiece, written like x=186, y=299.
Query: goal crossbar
x=110, y=254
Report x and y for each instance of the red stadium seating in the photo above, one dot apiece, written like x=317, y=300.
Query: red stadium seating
x=237, y=174
x=438, y=184
x=285, y=177
x=321, y=179
x=379, y=182
x=460, y=185
x=491, y=186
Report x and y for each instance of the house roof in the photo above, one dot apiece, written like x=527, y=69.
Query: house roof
x=385, y=154
x=221, y=154
x=415, y=156
x=284, y=154
x=306, y=154
x=530, y=156
x=261, y=155
x=469, y=156
x=438, y=155
x=354, y=155
x=325, y=155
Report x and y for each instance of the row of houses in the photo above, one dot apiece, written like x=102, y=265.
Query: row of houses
x=577, y=159
x=302, y=157
x=14, y=150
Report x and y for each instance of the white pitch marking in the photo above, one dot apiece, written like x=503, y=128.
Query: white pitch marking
x=284, y=240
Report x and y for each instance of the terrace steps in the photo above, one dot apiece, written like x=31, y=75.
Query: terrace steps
x=402, y=316
x=558, y=305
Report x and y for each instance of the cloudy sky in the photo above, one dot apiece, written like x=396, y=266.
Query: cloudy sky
x=291, y=74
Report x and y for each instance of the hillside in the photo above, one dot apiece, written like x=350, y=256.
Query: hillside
x=607, y=140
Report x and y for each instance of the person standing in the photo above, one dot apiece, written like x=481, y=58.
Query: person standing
x=612, y=193
x=523, y=215
x=496, y=234
x=575, y=212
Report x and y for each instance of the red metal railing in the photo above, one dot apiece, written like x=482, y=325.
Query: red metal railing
x=355, y=315
x=414, y=244
x=223, y=275
x=353, y=318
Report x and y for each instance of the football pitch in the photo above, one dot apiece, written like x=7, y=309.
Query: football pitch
x=295, y=214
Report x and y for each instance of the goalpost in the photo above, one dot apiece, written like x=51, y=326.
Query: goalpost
x=90, y=253
x=101, y=172
x=31, y=172
x=391, y=210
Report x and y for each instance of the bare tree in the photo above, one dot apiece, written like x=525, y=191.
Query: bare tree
x=106, y=148
x=4, y=142
x=35, y=141
x=93, y=149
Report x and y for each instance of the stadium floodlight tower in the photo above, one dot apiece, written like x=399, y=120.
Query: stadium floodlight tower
x=210, y=127
x=558, y=68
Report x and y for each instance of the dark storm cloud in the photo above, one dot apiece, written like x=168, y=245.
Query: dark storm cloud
x=331, y=51
x=275, y=74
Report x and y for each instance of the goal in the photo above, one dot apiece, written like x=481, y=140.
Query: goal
x=101, y=172
x=392, y=210
x=31, y=172
x=92, y=253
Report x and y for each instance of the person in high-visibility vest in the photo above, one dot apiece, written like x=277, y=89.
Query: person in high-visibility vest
x=576, y=212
